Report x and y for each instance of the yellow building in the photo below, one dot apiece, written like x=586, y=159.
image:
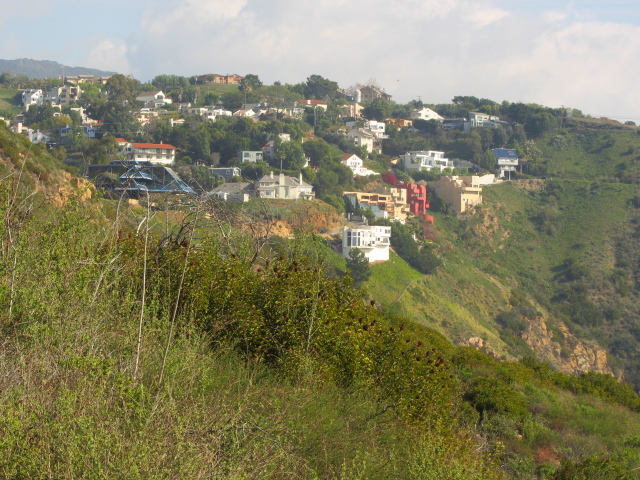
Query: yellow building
x=461, y=192
x=392, y=203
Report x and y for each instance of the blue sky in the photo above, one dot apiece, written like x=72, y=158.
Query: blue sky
x=582, y=54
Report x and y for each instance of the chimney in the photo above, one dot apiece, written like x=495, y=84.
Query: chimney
x=300, y=178
x=281, y=179
x=271, y=174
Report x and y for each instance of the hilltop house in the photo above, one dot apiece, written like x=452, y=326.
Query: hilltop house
x=461, y=193
x=161, y=153
x=284, y=187
x=153, y=99
x=239, y=192
x=226, y=172
x=391, y=203
x=251, y=156
x=426, y=114
x=370, y=93
x=32, y=97
x=373, y=240
x=355, y=163
x=425, y=160
x=506, y=162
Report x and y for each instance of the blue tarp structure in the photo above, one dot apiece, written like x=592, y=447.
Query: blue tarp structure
x=135, y=177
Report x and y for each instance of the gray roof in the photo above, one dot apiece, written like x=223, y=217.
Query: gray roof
x=288, y=181
x=232, y=188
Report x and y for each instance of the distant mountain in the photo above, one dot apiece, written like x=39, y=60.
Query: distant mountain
x=45, y=68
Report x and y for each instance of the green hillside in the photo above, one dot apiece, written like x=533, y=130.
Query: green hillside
x=133, y=354
x=552, y=260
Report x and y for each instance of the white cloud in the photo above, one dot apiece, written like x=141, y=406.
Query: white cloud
x=109, y=55
x=433, y=48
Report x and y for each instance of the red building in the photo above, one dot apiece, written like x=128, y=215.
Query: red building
x=418, y=200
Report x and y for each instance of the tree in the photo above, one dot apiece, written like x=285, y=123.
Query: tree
x=318, y=151
x=378, y=110
x=358, y=266
x=291, y=155
x=320, y=88
x=233, y=100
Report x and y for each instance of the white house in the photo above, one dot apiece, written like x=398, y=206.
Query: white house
x=244, y=113
x=426, y=114
x=425, y=160
x=507, y=162
x=284, y=187
x=221, y=112
x=156, y=98
x=373, y=240
x=233, y=192
x=161, y=153
x=32, y=97
x=355, y=163
x=362, y=138
x=250, y=156
x=36, y=136
x=377, y=128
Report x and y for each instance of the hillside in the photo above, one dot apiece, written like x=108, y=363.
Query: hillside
x=132, y=354
x=545, y=267
x=40, y=69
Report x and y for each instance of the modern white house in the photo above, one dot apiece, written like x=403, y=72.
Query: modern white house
x=507, y=162
x=373, y=240
x=251, y=156
x=377, y=128
x=425, y=160
x=32, y=97
x=356, y=165
x=426, y=114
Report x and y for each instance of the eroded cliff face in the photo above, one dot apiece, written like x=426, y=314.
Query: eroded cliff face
x=569, y=354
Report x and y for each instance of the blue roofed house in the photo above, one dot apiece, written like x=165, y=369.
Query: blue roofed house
x=506, y=162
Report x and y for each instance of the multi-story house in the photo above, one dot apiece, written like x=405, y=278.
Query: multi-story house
x=283, y=187
x=251, y=156
x=425, y=160
x=372, y=240
x=461, y=193
x=32, y=97
x=506, y=162
x=356, y=165
x=160, y=153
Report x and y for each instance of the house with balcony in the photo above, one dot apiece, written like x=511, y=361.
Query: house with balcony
x=251, y=156
x=506, y=162
x=460, y=193
x=372, y=240
x=390, y=204
x=157, y=153
x=425, y=160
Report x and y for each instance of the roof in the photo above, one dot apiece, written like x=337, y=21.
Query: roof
x=232, y=187
x=288, y=181
x=505, y=153
x=121, y=140
x=166, y=146
x=146, y=94
x=347, y=156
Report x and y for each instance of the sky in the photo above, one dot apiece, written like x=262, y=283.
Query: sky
x=581, y=54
